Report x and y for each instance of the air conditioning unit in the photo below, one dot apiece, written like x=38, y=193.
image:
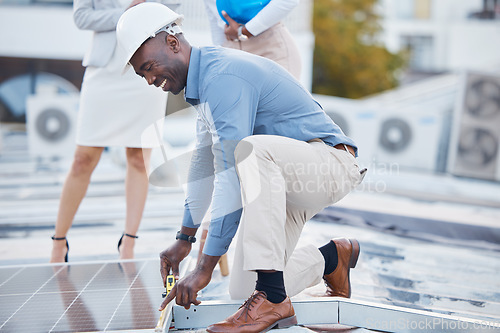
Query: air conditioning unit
x=410, y=138
x=356, y=120
x=475, y=143
x=51, y=123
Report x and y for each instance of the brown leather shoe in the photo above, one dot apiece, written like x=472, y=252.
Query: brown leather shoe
x=338, y=282
x=257, y=314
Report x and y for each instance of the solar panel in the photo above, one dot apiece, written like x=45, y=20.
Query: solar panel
x=87, y=297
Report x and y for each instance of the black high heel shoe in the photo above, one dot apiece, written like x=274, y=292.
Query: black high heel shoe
x=67, y=246
x=120, y=241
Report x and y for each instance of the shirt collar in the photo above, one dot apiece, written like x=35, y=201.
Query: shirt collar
x=192, y=94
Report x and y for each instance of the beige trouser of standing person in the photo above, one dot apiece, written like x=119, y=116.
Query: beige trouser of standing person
x=277, y=44
x=284, y=183
x=75, y=188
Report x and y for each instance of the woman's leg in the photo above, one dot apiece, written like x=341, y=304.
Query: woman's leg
x=73, y=192
x=136, y=191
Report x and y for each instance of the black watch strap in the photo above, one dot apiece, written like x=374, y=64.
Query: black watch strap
x=184, y=237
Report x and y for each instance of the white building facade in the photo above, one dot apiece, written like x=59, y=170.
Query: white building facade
x=444, y=35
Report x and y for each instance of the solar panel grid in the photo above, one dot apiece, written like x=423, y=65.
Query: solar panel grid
x=83, y=297
x=8, y=274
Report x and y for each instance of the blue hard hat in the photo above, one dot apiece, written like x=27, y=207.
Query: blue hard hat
x=241, y=11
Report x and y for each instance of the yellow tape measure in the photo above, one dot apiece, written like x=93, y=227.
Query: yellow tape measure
x=170, y=282
x=169, y=285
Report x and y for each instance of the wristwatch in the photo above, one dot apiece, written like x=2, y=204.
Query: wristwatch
x=184, y=237
x=241, y=36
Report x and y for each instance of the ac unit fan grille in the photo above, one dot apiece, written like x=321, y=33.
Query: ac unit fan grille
x=477, y=147
x=52, y=125
x=395, y=135
x=482, y=99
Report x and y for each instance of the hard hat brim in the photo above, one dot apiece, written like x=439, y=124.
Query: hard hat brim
x=120, y=62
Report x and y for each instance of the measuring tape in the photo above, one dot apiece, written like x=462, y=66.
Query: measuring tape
x=169, y=285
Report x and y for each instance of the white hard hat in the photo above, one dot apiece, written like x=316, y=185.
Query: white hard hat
x=141, y=22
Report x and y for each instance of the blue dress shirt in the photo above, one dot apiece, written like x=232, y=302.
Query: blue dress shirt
x=238, y=94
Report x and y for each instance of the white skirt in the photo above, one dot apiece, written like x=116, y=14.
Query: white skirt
x=116, y=109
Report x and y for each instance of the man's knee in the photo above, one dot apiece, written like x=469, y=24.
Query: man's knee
x=243, y=149
x=254, y=144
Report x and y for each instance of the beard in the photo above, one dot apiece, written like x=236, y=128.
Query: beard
x=178, y=76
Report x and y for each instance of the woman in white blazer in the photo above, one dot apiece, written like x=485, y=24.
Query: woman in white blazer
x=114, y=110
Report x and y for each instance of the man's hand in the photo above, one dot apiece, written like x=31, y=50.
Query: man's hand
x=231, y=29
x=186, y=289
x=172, y=257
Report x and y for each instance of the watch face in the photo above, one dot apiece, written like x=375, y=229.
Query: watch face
x=241, y=36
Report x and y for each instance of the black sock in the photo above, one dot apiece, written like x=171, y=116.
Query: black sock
x=329, y=252
x=273, y=284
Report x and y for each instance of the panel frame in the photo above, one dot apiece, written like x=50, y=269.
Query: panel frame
x=341, y=311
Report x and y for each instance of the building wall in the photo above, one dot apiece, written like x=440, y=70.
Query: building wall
x=444, y=35
x=46, y=32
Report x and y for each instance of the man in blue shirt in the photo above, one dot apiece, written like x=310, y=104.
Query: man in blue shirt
x=267, y=159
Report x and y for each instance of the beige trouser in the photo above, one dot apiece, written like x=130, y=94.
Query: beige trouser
x=277, y=44
x=285, y=182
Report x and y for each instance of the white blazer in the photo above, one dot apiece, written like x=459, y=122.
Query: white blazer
x=101, y=16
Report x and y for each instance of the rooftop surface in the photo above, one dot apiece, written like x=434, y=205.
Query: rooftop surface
x=421, y=255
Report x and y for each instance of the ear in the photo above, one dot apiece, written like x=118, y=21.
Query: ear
x=173, y=42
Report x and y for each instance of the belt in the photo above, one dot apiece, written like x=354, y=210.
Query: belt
x=340, y=146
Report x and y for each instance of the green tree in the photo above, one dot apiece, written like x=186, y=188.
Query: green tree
x=349, y=61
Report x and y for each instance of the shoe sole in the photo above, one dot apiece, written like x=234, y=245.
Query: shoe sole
x=355, y=253
x=283, y=323
x=352, y=261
